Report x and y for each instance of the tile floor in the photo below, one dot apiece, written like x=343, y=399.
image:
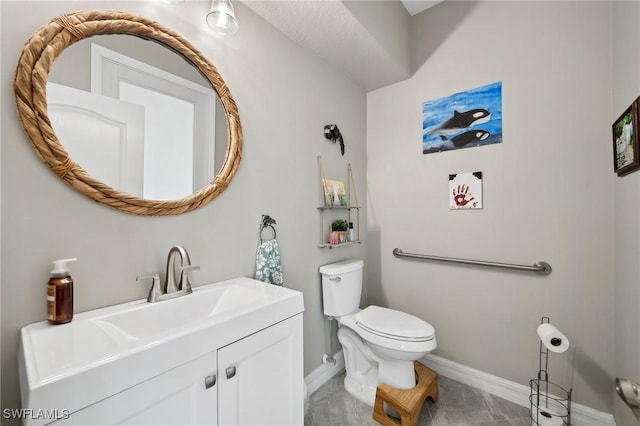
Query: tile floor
x=457, y=405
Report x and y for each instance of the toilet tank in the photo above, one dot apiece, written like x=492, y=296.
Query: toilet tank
x=341, y=287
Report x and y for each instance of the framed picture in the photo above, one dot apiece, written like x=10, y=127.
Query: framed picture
x=334, y=193
x=463, y=120
x=465, y=191
x=626, y=155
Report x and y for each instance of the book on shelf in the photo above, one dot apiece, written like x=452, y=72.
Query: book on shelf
x=334, y=193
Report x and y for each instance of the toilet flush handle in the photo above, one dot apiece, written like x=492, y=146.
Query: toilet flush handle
x=336, y=279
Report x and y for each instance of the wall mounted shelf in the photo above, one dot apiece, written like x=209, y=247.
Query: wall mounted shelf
x=349, y=212
x=356, y=225
x=330, y=246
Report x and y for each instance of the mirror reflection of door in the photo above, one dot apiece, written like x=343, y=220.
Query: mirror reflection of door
x=105, y=136
x=179, y=126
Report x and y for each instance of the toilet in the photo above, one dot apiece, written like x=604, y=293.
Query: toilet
x=379, y=344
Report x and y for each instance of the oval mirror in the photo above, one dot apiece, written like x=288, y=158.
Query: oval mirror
x=143, y=134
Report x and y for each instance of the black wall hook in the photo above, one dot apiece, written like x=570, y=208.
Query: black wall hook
x=332, y=133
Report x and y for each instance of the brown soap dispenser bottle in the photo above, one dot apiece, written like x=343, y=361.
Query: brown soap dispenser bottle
x=60, y=293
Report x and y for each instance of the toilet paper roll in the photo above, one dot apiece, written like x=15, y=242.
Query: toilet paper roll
x=552, y=338
x=547, y=418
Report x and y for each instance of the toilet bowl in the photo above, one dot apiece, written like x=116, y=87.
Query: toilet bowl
x=379, y=344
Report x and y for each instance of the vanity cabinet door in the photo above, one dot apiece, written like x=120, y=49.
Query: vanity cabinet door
x=186, y=395
x=261, y=378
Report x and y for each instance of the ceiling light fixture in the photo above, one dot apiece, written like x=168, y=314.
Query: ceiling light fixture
x=221, y=18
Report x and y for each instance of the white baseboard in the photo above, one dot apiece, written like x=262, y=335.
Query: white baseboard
x=581, y=415
x=324, y=373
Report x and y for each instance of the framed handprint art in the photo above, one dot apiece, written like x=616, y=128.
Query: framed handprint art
x=465, y=191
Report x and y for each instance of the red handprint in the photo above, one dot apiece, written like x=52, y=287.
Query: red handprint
x=460, y=195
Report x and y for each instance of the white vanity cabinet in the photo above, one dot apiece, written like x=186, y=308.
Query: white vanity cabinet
x=261, y=378
x=239, y=361
x=177, y=397
x=257, y=380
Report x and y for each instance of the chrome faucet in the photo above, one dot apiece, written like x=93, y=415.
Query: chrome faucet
x=170, y=289
x=170, y=285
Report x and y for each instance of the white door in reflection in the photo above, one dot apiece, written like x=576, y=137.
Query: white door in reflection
x=168, y=154
x=179, y=122
x=104, y=136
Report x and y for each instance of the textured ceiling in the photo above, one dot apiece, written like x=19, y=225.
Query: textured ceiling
x=367, y=40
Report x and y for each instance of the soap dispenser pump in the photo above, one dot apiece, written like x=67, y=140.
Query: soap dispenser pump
x=60, y=293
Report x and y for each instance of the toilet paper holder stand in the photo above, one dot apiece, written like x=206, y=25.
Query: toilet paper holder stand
x=550, y=404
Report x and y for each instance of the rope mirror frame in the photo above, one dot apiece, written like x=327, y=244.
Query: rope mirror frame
x=30, y=82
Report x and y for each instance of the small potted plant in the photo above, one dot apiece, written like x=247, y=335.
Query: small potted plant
x=339, y=230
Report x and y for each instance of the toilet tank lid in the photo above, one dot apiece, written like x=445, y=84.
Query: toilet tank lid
x=342, y=267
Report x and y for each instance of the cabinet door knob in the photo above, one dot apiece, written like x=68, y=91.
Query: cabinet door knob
x=231, y=371
x=210, y=381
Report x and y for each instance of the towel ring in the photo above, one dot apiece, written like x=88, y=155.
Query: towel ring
x=266, y=222
x=265, y=227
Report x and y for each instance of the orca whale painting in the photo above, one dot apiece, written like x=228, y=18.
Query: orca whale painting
x=463, y=120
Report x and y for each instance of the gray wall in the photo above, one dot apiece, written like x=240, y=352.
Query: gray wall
x=285, y=97
x=626, y=87
x=548, y=191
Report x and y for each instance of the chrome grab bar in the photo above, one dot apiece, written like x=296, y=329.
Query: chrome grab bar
x=541, y=267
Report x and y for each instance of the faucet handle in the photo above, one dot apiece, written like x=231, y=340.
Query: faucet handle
x=184, y=278
x=155, y=286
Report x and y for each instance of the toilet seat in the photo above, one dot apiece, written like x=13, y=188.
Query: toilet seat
x=390, y=335
x=393, y=324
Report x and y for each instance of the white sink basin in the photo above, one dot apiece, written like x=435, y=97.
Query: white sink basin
x=145, y=320
x=142, y=339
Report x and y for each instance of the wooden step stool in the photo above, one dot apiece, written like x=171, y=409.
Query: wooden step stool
x=407, y=402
